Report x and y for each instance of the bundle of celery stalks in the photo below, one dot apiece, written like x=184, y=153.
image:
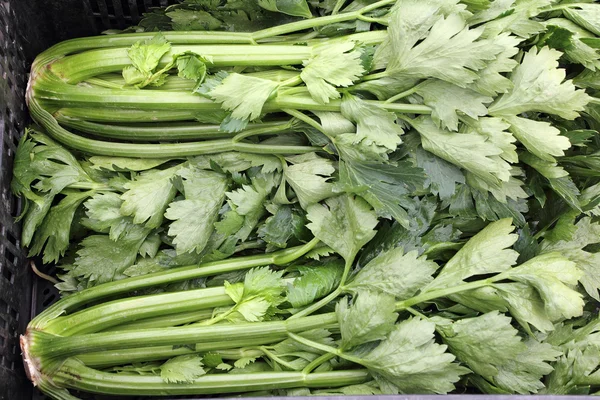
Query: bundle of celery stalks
x=292, y=197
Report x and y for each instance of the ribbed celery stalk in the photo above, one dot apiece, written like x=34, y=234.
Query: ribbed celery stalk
x=112, y=313
x=75, y=375
x=77, y=300
x=168, y=132
x=104, y=359
x=164, y=321
x=47, y=346
x=143, y=150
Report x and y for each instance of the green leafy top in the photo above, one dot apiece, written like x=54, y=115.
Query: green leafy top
x=395, y=273
x=329, y=67
x=314, y=283
x=485, y=253
x=148, y=196
x=42, y=161
x=145, y=57
x=182, y=369
x=410, y=361
x=195, y=216
x=375, y=126
x=539, y=85
x=370, y=318
x=493, y=349
x=257, y=297
x=447, y=99
x=470, y=150
x=243, y=95
x=309, y=176
x=344, y=223
x=449, y=50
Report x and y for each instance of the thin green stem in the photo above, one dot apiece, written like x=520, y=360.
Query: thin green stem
x=318, y=305
x=304, y=118
x=286, y=257
x=303, y=25
x=276, y=359
x=338, y=6
x=308, y=36
x=319, y=346
x=594, y=100
x=347, y=267
x=416, y=313
x=295, y=81
x=218, y=318
x=373, y=77
x=249, y=245
x=294, y=90
x=380, y=21
x=317, y=22
x=437, y=293
x=402, y=95
x=91, y=186
x=314, y=364
x=374, y=6
x=324, y=348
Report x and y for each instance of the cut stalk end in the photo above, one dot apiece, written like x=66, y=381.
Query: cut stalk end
x=31, y=363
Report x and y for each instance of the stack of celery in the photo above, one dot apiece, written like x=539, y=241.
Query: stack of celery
x=330, y=197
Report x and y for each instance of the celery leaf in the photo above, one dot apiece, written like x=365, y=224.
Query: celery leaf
x=369, y=318
x=552, y=275
x=345, y=223
x=447, y=99
x=470, y=151
x=395, y=273
x=485, y=253
x=539, y=85
x=54, y=233
x=374, y=124
x=410, y=361
x=314, y=283
x=493, y=349
x=243, y=95
x=194, y=217
x=148, y=196
x=331, y=66
x=182, y=369
x=450, y=51
x=309, y=176
x=145, y=57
